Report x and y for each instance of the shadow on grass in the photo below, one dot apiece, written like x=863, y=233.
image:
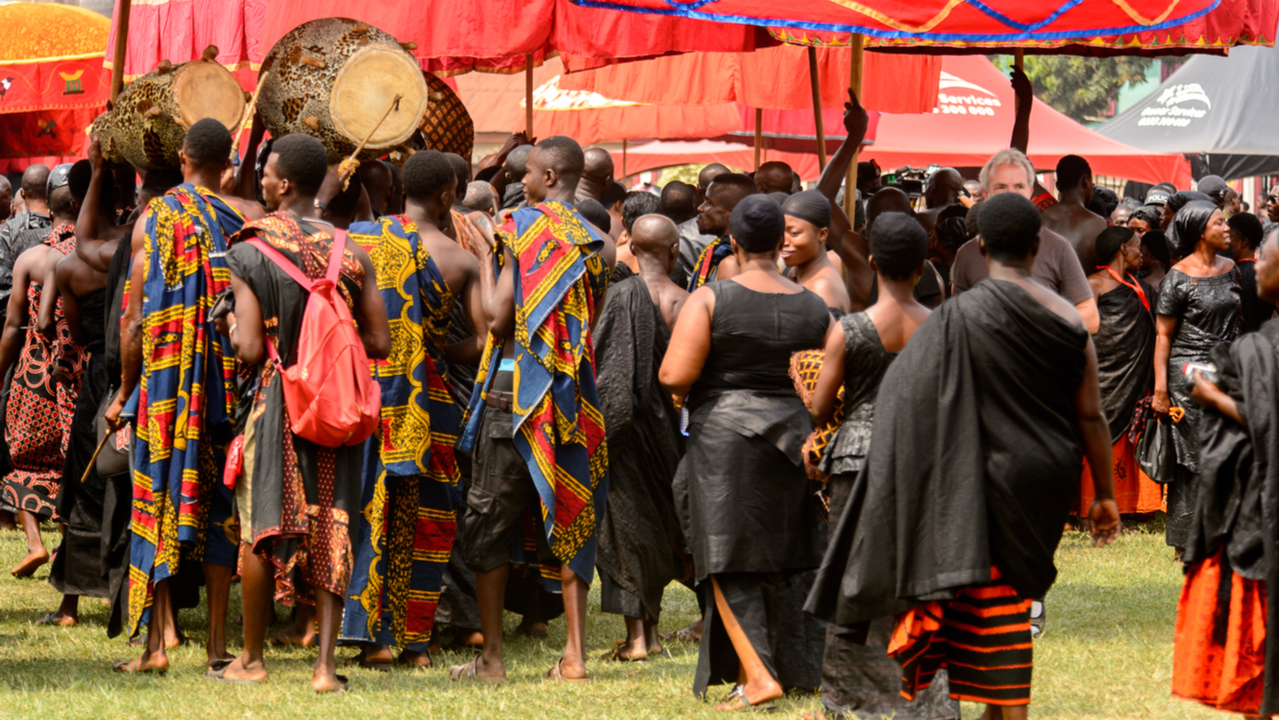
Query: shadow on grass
x=1099, y=612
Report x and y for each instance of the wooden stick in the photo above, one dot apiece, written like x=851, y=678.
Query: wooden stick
x=528, y=94
x=101, y=444
x=624, y=158
x=250, y=111
x=118, y=52
x=344, y=174
x=759, y=135
x=855, y=84
x=817, y=108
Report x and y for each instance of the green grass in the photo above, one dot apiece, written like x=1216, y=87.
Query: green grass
x=1107, y=654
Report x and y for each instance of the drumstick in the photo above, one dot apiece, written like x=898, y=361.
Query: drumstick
x=346, y=167
x=101, y=443
x=253, y=108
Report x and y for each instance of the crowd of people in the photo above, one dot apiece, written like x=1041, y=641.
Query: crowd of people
x=859, y=440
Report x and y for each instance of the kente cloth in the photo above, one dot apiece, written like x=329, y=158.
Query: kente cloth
x=557, y=423
x=974, y=461
x=295, y=498
x=40, y=408
x=1220, y=640
x=408, y=522
x=982, y=638
x=639, y=533
x=184, y=400
x=1135, y=492
x=805, y=368
x=1236, y=503
x=704, y=270
x=1126, y=347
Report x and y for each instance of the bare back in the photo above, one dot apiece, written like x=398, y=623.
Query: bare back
x=1079, y=226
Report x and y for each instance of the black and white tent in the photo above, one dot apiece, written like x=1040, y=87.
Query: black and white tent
x=1220, y=111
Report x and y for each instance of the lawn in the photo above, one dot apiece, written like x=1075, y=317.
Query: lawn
x=1106, y=654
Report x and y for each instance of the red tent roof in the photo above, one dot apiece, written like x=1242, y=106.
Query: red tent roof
x=974, y=120
x=1080, y=27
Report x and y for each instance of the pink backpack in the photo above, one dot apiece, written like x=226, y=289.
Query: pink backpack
x=329, y=393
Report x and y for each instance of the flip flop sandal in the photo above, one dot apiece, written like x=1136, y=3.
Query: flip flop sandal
x=556, y=674
x=468, y=672
x=134, y=667
x=739, y=693
x=53, y=619
x=616, y=655
x=219, y=675
x=361, y=662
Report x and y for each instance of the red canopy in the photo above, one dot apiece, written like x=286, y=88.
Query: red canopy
x=495, y=35
x=1083, y=27
x=975, y=118
x=738, y=157
x=52, y=83
x=180, y=30
x=591, y=118
x=775, y=77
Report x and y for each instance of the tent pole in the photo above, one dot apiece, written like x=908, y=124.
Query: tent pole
x=817, y=108
x=1017, y=65
x=528, y=95
x=624, y=158
x=118, y=52
x=759, y=135
x=855, y=84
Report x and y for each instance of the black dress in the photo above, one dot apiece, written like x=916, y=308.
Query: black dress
x=751, y=510
x=78, y=568
x=1208, y=313
x=860, y=679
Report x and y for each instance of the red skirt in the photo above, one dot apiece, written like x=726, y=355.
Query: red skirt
x=1219, y=640
x=1135, y=492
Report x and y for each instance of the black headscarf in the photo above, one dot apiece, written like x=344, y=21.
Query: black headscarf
x=1189, y=225
x=811, y=206
x=756, y=224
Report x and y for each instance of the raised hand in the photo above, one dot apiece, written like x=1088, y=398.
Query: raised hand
x=855, y=117
x=1021, y=87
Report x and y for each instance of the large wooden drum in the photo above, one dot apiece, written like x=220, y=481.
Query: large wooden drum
x=146, y=126
x=334, y=79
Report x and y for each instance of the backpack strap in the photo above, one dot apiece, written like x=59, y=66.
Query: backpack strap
x=282, y=262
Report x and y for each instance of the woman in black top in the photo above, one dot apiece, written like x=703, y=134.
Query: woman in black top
x=751, y=508
x=1199, y=307
x=859, y=679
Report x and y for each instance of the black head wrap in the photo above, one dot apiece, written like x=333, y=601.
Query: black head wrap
x=1179, y=200
x=811, y=206
x=778, y=197
x=756, y=224
x=1158, y=243
x=1189, y=225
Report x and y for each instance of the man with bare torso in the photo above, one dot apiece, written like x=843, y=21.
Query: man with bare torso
x=1070, y=217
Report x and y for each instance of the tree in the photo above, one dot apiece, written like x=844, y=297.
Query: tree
x=1082, y=88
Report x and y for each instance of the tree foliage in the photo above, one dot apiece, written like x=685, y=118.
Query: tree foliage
x=1082, y=88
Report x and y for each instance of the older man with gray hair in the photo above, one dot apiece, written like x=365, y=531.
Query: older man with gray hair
x=1056, y=265
x=481, y=197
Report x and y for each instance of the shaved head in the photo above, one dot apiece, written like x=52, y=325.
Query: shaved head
x=516, y=161
x=889, y=199
x=597, y=175
x=376, y=178
x=598, y=160
x=35, y=180
x=709, y=173
x=943, y=187
x=773, y=177
x=656, y=239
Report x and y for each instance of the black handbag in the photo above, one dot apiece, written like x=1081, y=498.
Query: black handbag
x=1156, y=455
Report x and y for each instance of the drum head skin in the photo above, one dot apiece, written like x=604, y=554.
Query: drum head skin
x=365, y=88
x=206, y=89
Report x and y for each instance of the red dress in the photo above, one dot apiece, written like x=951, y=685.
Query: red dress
x=38, y=420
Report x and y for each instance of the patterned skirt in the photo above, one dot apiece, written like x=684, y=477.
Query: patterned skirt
x=982, y=637
x=38, y=425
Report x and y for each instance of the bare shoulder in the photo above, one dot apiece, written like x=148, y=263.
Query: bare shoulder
x=248, y=208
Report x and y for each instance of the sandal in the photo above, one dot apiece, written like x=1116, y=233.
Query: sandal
x=54, y=618
x=1037, y=619
x=134, y=667
x=362, y=662
x=468, y=672
x=556, y=674
x=739, y=694
x=220, y=675
x=617, y=655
